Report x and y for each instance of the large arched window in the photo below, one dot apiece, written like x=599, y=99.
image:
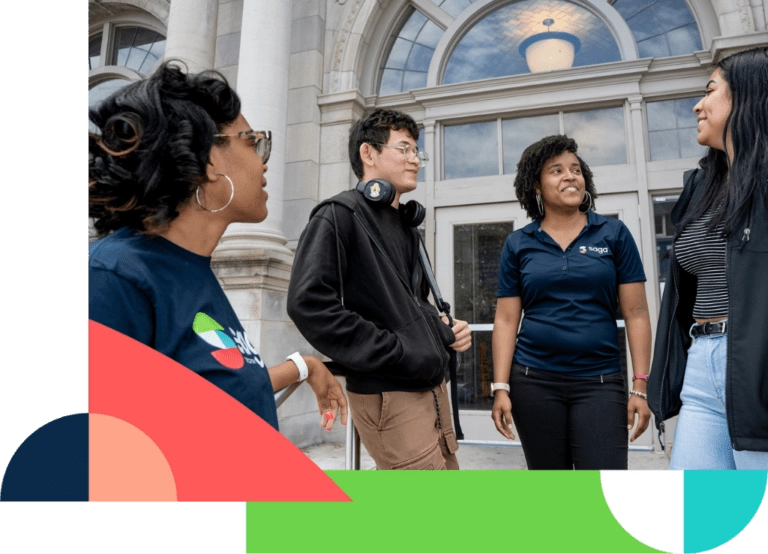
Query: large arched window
x=495, y=46
x=133, y=47
x=660, y=29
x=413, y=45
x=138, y=48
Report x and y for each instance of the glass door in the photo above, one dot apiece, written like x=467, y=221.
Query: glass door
x=469, y=242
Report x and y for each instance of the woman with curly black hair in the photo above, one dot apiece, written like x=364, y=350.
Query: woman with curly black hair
x=560, y=376
x=172, y=163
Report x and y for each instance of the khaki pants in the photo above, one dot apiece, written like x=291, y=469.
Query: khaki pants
x=401, y=430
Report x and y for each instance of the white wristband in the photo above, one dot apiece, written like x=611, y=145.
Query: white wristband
x=301, y=364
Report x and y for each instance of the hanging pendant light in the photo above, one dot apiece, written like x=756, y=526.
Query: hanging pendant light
x=549, y=50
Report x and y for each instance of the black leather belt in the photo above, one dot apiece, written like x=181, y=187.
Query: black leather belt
x=710, y=328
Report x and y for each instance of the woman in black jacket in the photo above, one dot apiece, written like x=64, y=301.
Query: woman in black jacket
x=711, y=357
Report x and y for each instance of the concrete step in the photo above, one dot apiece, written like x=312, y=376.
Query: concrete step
x=332, y=456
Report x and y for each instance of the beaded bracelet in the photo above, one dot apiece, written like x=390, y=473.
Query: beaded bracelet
x=640, y=394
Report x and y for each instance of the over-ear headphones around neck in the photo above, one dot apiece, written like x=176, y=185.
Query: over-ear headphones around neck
x=377, y=191
x=381, y=193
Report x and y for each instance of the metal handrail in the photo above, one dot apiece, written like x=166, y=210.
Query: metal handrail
x=283, y=394
x=352, y=458
x=352, y=455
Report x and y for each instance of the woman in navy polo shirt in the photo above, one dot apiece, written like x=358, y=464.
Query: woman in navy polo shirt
x=568, y=271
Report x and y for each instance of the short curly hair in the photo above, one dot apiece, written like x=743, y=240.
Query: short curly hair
x=374, y=129
x=529, y=171
x=151, y=146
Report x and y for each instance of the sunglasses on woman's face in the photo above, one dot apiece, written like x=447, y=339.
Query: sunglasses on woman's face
x=262, y=141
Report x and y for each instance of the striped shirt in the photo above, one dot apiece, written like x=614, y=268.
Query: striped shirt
x=702, y=254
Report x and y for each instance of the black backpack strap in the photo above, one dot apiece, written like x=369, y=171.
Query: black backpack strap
x=453, y=364
x=338, y=253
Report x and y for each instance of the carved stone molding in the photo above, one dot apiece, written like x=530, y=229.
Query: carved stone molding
x=746, y=17
x=341, y=42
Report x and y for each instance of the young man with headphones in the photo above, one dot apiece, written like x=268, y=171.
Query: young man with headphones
x=358, y=294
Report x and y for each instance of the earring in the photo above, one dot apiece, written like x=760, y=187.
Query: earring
x=231, y=195
x=540, y=203
x=588, y=199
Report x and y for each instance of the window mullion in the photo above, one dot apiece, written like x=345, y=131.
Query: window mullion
x=500, y=149
x=106, y=50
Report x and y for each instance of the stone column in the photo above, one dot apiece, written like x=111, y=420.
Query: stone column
x=262, y=83
x=252, y=261
x=192, y=33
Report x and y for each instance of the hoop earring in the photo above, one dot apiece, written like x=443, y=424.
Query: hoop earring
x=590, y=204
x=231, y=196
x=540, y=204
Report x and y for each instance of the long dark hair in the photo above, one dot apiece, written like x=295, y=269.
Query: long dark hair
x=737, y=186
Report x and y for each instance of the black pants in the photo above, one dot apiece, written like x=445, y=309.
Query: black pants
x=569, y=422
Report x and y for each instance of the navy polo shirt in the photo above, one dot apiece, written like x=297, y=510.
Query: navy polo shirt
x=570, y=297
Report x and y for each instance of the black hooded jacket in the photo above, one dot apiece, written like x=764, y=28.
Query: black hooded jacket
x=746, y=269
x=382, y=329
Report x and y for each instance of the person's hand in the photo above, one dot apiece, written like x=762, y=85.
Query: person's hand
x=463, y=335
x=330, y=395
x=502, y=414
x=639, y=406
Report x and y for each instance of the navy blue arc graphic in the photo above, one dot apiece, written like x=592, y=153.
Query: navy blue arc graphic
x=51, y=465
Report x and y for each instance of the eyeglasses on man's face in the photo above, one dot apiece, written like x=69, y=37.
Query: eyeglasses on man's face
x=410, y=152
x=262, y=144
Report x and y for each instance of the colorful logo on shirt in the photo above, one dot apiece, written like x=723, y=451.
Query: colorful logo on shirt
x=582, y=249
x=208, y=329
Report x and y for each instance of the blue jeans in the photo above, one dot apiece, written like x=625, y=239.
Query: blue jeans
x=702, y=440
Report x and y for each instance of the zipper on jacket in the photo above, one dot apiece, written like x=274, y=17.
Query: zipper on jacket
x=729, y=349
x=665, y=375
x=661, y=436
x=744, y=239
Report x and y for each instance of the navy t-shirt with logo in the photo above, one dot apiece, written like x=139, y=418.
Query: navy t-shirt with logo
x=570, y=298
x=168, y=298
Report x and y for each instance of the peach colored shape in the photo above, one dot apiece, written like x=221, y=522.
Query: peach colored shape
x=125, y=464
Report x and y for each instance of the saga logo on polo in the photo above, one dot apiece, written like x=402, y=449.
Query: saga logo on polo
x=598, y=249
